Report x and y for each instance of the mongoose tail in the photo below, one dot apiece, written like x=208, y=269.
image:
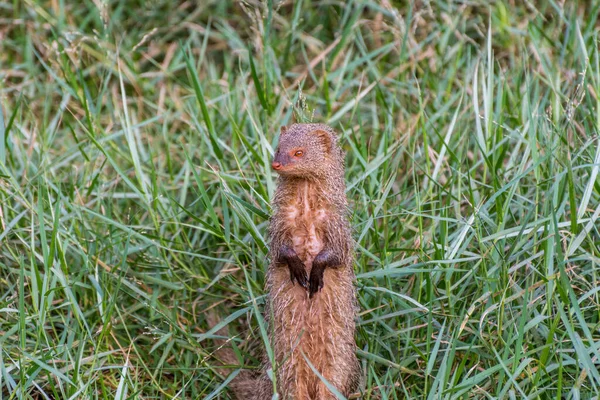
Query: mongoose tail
x=246, y=385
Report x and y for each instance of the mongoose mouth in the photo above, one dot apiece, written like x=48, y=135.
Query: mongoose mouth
x=279, y=167
x=283, y=170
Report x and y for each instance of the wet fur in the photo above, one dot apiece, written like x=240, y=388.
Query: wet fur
x=310, y=215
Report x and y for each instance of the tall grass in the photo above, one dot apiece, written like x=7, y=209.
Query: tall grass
x=135, y=148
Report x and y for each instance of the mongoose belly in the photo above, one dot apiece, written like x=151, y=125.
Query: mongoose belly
x=306, y=217
x=320, y=329
x=307, y=241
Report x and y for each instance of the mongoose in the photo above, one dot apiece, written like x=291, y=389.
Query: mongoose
x=310, y=277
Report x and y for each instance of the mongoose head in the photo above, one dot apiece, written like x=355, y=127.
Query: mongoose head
x=306, y=151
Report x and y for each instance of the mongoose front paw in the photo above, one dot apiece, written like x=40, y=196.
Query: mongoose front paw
x=298, y=273
x=316, y=281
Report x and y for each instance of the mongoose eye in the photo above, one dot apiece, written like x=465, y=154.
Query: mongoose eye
x=299, y=153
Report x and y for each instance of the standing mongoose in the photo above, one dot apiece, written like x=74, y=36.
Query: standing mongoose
x=312, y=300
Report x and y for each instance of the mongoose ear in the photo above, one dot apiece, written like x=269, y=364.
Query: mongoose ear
x=325, y=138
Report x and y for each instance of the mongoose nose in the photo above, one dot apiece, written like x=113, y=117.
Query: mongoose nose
x=276, y=165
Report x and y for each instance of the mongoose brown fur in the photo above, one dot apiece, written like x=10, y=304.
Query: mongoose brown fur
x=312, y=299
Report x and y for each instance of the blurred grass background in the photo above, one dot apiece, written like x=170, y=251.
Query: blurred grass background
x=135, y=148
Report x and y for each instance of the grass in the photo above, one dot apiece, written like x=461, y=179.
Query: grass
x=135, y=148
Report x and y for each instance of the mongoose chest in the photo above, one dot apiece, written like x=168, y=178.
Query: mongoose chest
x=306, y=215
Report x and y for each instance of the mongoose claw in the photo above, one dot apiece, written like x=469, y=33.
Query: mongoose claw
x=316, y=281
x=298, y=273
x=287, y=256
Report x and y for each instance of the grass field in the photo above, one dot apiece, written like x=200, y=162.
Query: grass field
x=135, y=147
